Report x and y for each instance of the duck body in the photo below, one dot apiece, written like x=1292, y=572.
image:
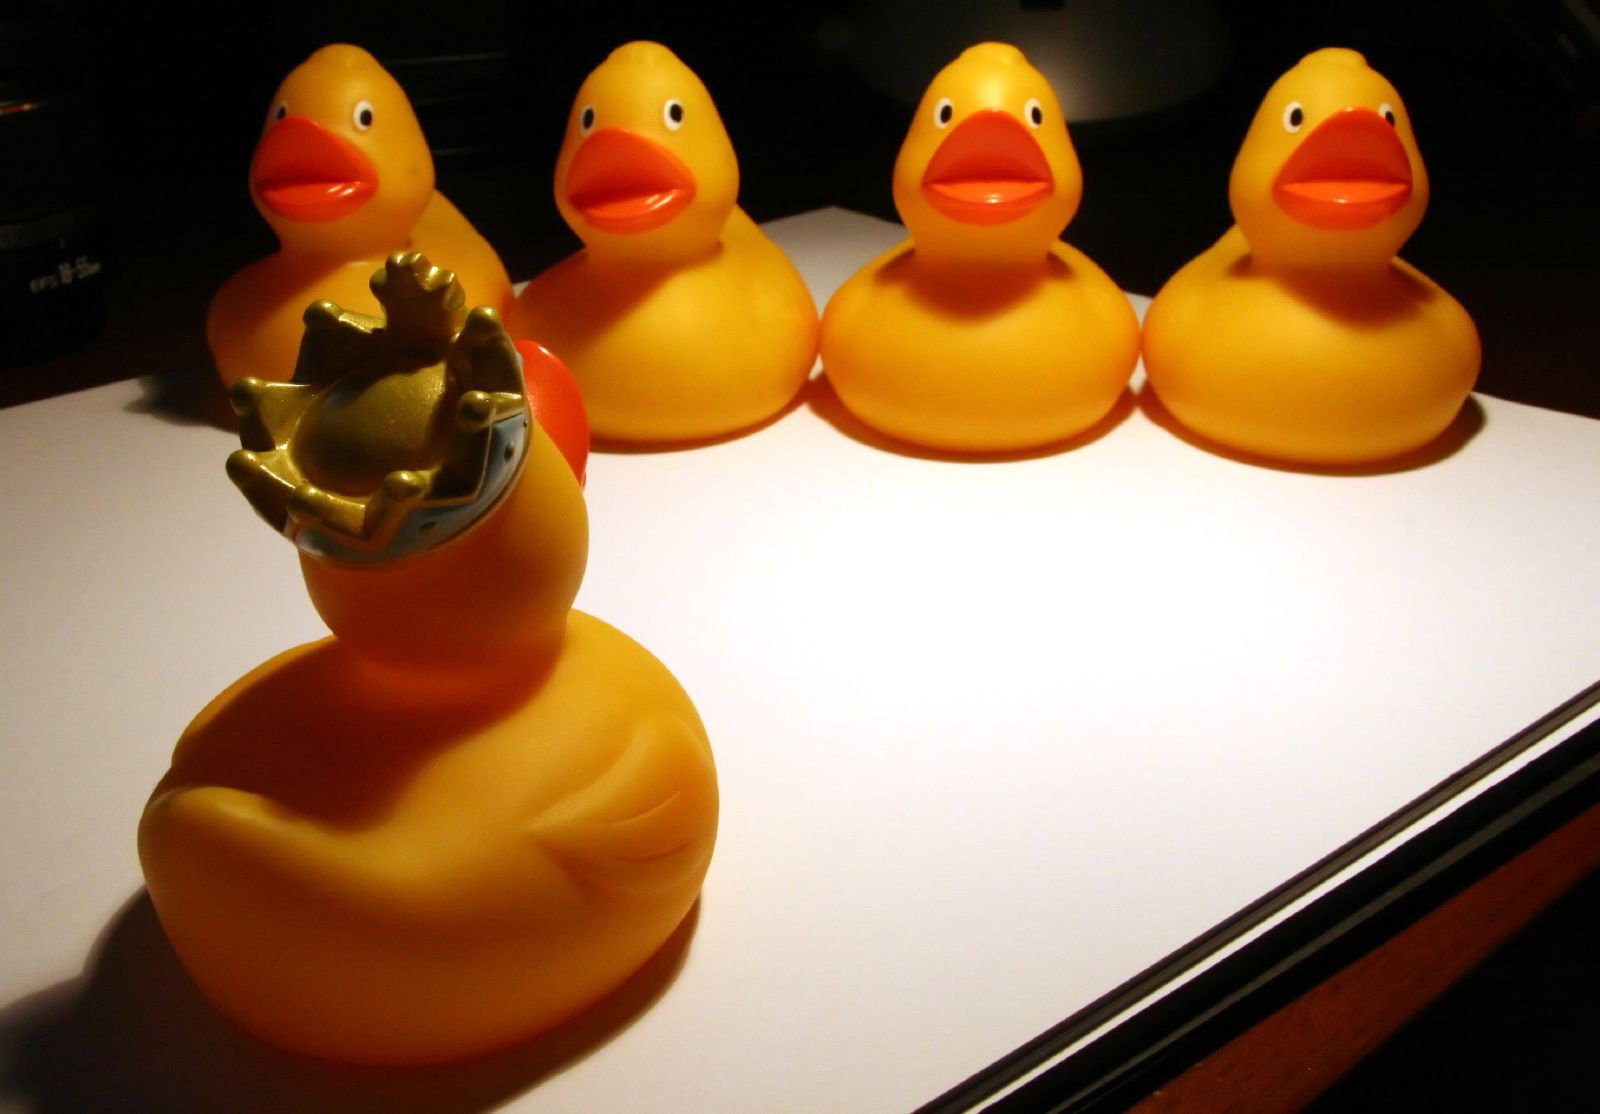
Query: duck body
x=473, y=811
x=343, y=175
x=1300, y=335
x=680, y=318
x=254, y=323
x=678, y=351
x=975, y=359
x=440, y=880
x=983, y=332
x=1331, y=373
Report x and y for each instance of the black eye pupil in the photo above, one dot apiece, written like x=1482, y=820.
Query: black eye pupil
x=366, y=117
x=675, y=110
x=945, y=112
x=1389, y=116
x=283, y=110
x=1295, y=117
x=1038, y=115
x=588, y=117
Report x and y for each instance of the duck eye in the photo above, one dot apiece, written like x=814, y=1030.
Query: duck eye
x=1386, y=110
x=1034, y=112
x=672, y=114
x=363, y=115
x=586, y=119
x=281, y=111
x=1293, y=117
x=944, y=112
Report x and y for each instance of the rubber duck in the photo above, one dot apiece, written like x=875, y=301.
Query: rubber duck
x=983, y=332
x=343, y=175
x=680, y=318
x=1300, y=336
x=472, y=811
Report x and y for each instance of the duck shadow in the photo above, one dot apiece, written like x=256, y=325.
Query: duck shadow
x=186, y=397
x=824, y=401
x=133, y=1033
x=1466, y=425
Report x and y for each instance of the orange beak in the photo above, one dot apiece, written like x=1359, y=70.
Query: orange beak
x=622, y=182
x=988, y=171
x=1350, y=172
x=303, y=171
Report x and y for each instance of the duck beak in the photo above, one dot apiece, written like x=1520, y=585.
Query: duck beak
x=623, y=182
x=305, y=172
x=990, y=170
x=1351, y=172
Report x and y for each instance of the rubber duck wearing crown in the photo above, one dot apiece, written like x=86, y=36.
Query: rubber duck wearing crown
x=680, y=318
x=1300, y=336
x=983, y=332
x=472, y=811
x=343, y=175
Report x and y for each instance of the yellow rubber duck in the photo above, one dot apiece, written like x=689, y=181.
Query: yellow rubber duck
x=472, y=811
x=1300, y=336
x=680, y=318
x=983, y=332
x=343, y=175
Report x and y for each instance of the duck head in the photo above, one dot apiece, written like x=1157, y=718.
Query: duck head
x=440, y=528
x=646, y=171
x=1329, y=174
x=342, y=167
x=987, y=172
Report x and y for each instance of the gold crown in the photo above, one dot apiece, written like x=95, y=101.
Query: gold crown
x=397, y=432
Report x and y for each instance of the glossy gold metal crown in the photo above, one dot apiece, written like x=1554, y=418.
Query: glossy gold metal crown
x=396, y=433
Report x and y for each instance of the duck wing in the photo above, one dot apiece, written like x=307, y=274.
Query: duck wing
x=648, y=821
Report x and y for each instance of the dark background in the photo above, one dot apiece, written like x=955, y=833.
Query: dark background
x=150, y=119
x=146, y=121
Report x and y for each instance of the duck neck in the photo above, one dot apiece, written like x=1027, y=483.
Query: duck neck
x=1336, y=267
x=689, y=238
x=1280, y=246
x=493, y=600
x=979, y=285
x=651, y=258
x=980, y=256
x=1342, y=282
